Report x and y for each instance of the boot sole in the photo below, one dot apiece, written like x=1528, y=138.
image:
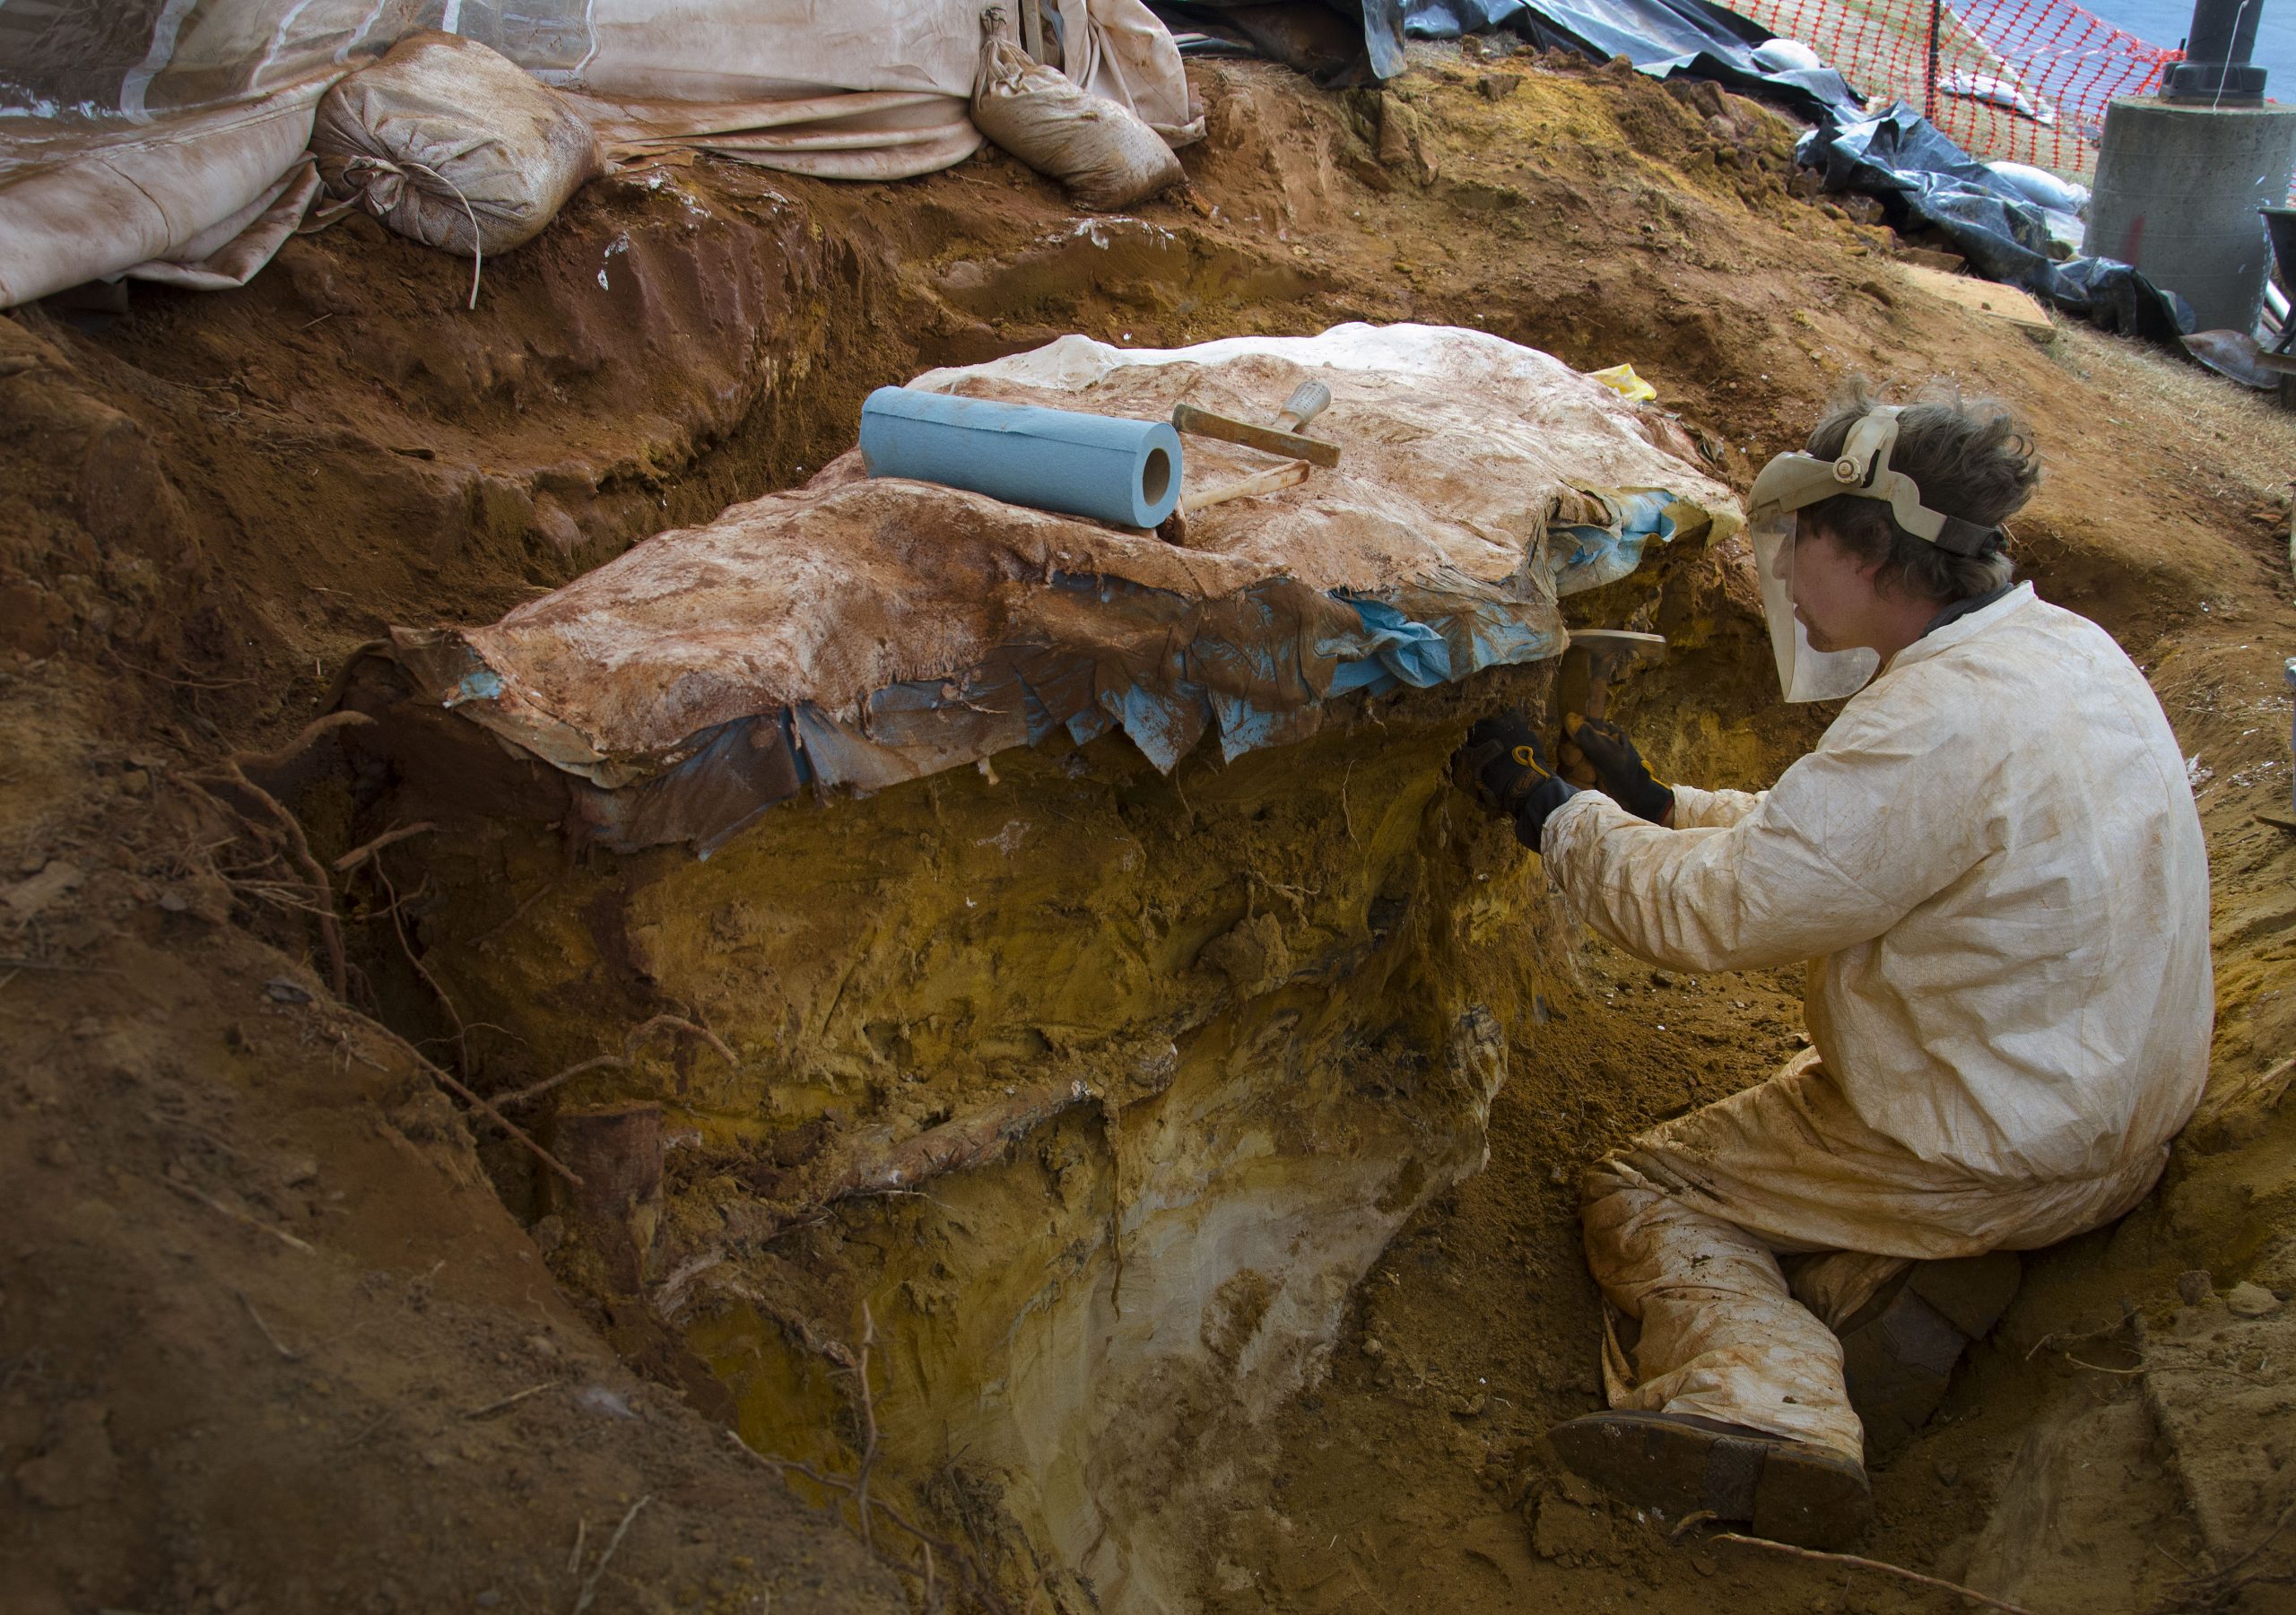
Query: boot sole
x=1788, y=1491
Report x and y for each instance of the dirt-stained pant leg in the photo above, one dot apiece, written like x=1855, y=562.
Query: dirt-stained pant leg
x=1685, y=1228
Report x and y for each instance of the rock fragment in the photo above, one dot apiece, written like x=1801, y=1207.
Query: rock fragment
x=2248, y=1300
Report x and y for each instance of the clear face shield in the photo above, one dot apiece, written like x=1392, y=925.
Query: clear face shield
x=1791, y=481
x=1805, y=672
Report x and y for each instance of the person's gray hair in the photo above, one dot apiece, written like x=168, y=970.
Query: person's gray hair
x=1970, y=458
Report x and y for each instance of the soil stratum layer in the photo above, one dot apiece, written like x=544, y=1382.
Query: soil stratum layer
x=1219, y=1307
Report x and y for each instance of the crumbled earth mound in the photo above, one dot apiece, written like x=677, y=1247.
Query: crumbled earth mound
x=284, y=1326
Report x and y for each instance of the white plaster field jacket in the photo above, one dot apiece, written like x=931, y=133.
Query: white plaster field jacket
x=1994, y=867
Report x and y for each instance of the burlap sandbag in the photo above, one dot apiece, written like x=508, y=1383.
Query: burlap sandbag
x=449, y=144
x=1106, y=155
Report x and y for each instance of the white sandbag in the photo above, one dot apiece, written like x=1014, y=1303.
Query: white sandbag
x=1107, y=156
x=2042, y=188
x=2004, y=94
x=451, y=144
x=1787, y=55
x=1121, y=49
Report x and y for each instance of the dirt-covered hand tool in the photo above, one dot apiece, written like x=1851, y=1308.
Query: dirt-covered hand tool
x=1287, y=437
x=1286, y=475
x=1582, y=688
x=1173, y=528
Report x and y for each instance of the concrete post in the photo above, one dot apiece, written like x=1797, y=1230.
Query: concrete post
x=2177, y=192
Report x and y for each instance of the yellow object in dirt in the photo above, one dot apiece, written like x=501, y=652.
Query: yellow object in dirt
x=1622, y=379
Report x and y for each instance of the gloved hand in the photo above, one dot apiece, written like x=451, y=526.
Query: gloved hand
x=1618, y=770
x=1504, y=768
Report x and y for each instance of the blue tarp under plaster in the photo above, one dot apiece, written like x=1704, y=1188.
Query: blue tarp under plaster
x=1449, y=629
x=1387, y=649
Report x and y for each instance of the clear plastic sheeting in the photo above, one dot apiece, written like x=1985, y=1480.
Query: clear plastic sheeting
x=1354, y=39
x=858, y=632
x=131, y=131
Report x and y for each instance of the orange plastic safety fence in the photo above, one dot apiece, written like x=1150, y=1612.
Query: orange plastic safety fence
x=2023, y=80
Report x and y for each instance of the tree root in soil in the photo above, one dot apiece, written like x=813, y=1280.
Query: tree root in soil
x=290, y=836
x=590, y=1590
x=855, y=1362
x=957, y=1143
x=637, y=1035
x=280, y=768
x=2217, y=1589
x=481, y=1104
x=359, y=855
x=2063, y=1338
x=868, y=1168
x=1858, y=1562
x=233, y=779
x=244, y=1218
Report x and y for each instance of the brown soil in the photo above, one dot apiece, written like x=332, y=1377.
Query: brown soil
x=206, y=505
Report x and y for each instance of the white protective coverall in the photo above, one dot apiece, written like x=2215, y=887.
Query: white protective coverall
x=1994, y=867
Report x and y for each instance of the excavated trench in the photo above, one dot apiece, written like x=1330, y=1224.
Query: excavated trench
x=1095, y=1092
x=1086, y=1096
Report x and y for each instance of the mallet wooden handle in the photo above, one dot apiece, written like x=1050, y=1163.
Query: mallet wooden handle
x=1265, y=481
x=1204, y=424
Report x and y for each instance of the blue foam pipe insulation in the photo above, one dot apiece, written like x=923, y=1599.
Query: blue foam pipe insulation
x=1102, y=466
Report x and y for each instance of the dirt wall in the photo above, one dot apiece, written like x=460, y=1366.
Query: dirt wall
x=1230, y=1029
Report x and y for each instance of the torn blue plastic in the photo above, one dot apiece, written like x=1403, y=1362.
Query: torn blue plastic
x=482, y=685
x=1394, y=650
x=1262, y=665
x=1164, y=725
x=1606, y=554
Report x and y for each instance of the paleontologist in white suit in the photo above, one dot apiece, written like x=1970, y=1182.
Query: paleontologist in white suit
x=1993, y=868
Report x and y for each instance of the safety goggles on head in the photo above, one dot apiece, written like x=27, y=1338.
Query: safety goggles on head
x=1791, y=481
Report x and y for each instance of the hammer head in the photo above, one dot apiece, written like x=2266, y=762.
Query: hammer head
x=1588, y=661
x=1607, y=648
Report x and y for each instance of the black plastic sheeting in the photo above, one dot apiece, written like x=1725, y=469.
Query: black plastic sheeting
x=1665, y=39
x=1354, y=40
x=1922, y=178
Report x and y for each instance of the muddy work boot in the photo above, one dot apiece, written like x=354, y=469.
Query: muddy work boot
x=1676, y=1466
x=1899, y=1353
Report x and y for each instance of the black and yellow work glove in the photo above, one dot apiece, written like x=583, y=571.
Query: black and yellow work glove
x=1503, y=767
x=1617, y=768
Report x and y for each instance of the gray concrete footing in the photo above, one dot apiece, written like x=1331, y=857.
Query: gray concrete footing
x=2177, y=192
